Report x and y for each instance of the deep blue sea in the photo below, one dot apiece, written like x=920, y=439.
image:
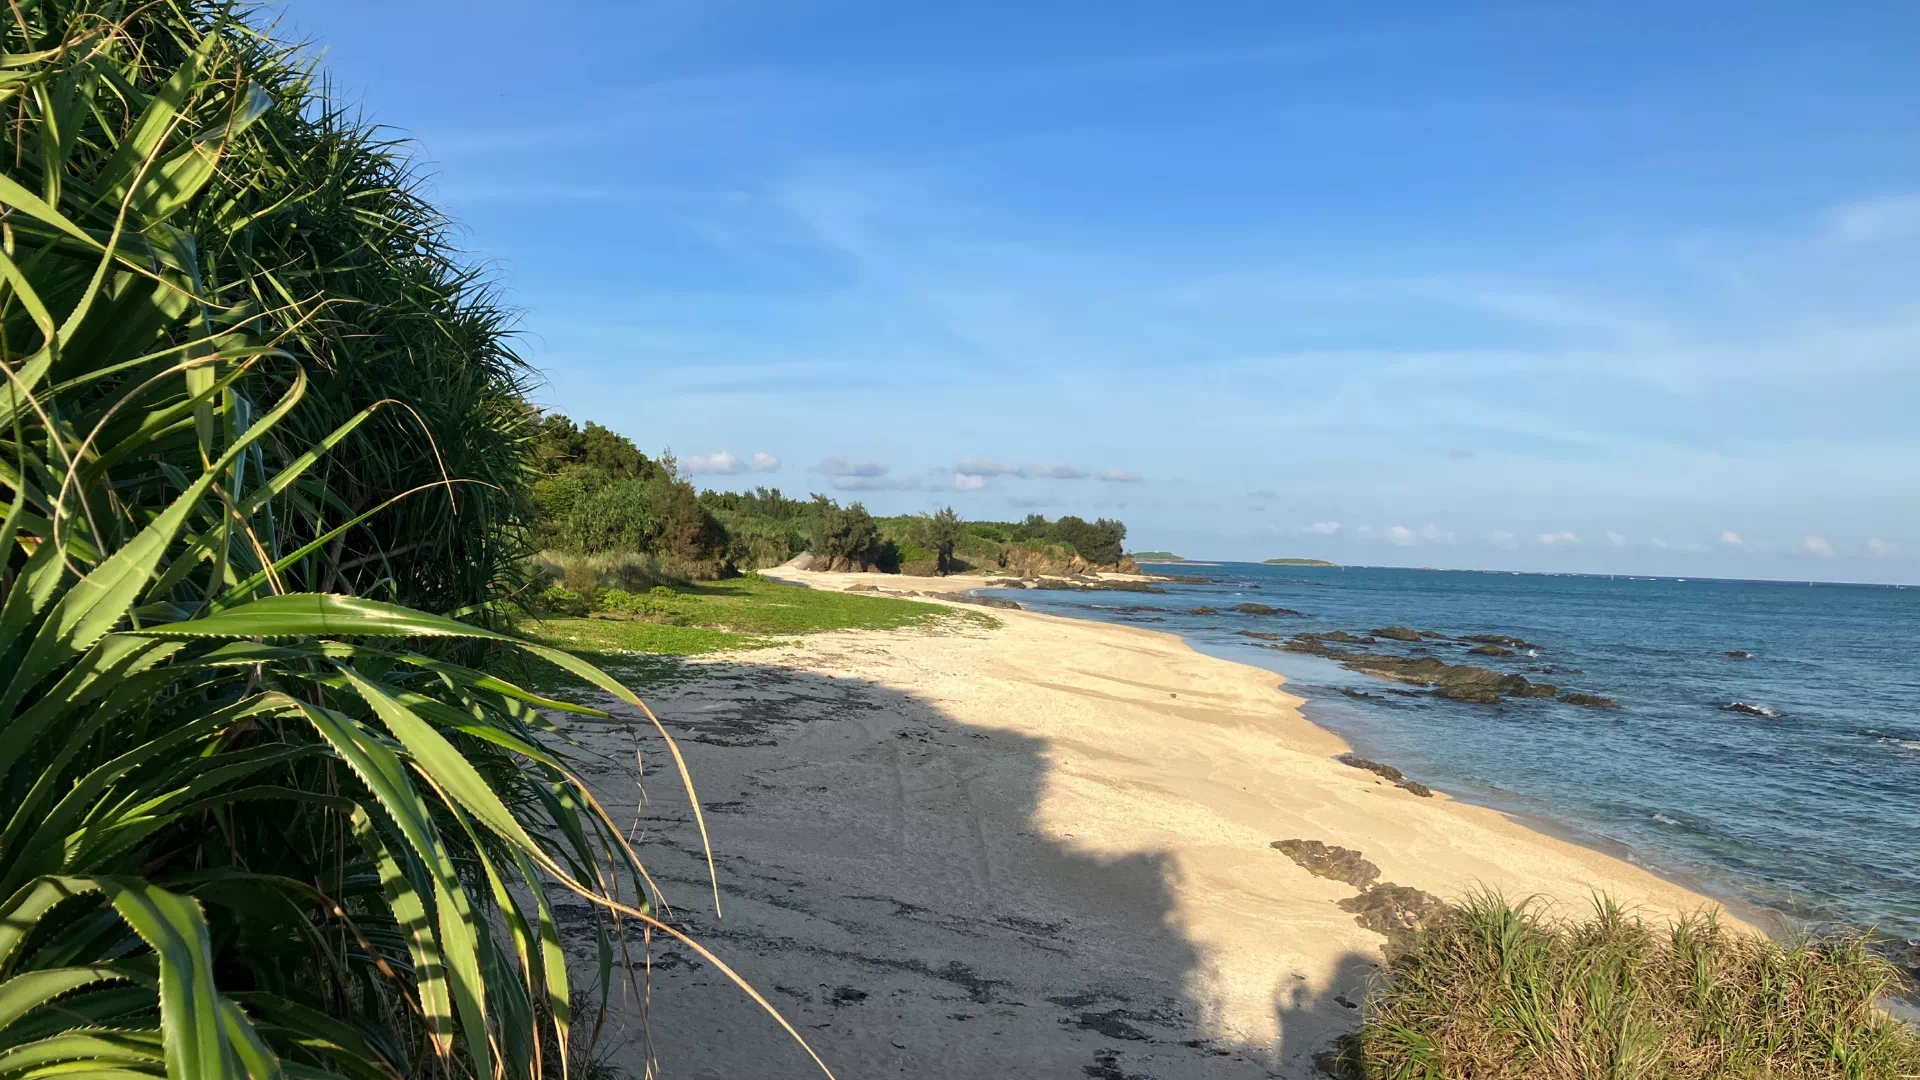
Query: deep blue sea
x=1811, y=810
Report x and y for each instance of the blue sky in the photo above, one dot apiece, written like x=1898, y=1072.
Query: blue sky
x=1603, y=287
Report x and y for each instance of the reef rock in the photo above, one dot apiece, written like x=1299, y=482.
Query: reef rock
x=1397, y=633
x=1262, y=609
x=1592, y=701
x=1333, y=863
x=1490, y=650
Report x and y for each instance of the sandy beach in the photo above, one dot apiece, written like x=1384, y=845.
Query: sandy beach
x=1035, y=850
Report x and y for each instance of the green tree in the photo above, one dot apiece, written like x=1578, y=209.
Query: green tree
x=942, y=531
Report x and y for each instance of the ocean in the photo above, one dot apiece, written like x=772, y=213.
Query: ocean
x=1806, y=802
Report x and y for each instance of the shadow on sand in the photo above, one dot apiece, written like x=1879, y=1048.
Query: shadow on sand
x=885, y=884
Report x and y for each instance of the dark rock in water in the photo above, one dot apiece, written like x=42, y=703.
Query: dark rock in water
x=1202, y=610
x=1435, y=635
x=1261, y=634
x=1745, y=709
x=1333, y=863
x=1738, y=654
x=1358, y=762
x=1397, y=633
x=1592, y=701
x=1474, y=694
x=1508, y=640
x=1184, y=579
x=1006, y=583
x=1396, y=911
x=1262, y=609
x=1490, y=650
x=1095, y=585
x=1361, y=694
x=987, y=601
x=1418, y=788
x=1347, y=639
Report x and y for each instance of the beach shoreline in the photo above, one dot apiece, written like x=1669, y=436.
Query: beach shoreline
x=1042, y=848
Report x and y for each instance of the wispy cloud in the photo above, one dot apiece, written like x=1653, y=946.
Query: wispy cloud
x=983, y=466
x=1731, y=538
x=1817, y=545
x=851, y=467
x=1875, y=220
x=1879, y=547
x=968, y=482
x=1563, y=537
x=723, y=463
x=1321, y=528
x=1119, y=476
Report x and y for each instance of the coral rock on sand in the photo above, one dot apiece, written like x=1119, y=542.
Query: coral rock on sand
x=1396, y=911
x=1358, y=762
x=986, y=601
x=1334, y=863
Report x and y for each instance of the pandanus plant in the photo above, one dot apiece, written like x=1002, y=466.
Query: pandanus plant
x=245, y=829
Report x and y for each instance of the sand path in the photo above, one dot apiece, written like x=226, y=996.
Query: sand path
x=1039, y=850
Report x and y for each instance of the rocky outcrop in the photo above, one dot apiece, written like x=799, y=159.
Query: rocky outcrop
x=1743, y=708
x=1507, y=640
x=1591, y=701
x=1262, y=635
x=1738, y=654
x=1395, y=911
x=985, y=601
x=1332, y=863
x=1340, y=636
x=1263, y=609
x=1094, y=585
x=1461, y=682
x=1397, y=633
x=1386, y=772
x=1490, y=650
x=1202, y=610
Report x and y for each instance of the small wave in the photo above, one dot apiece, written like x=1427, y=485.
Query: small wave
x=1664, y=819
x=1749, y=709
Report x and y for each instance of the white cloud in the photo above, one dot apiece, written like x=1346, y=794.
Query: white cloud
x=723, y=463
x=1500, y=538
x=1401, y=535
x=1869, y=221
x=1562, y=537
x=1816, y=545
x=1120, y=476
x=1058, y=470
x=1434, y=534
x=851, y=467
x=1659, y=543
x=968, y=482
x=874, y=483
x=1616, y=539
x=1730, y=538
x=765, y=462
x=1879, y=547
x=1322, y=528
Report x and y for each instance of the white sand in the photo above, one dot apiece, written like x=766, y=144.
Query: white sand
x=1039, y=850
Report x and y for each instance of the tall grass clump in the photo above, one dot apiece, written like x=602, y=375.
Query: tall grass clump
x=1497, y=990
x=253, y=821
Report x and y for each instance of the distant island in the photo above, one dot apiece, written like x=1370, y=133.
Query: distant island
x=1298, y=562
x=1154, y=556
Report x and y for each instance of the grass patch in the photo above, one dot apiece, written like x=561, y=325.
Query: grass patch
x=1500, y=991
x=742, y=613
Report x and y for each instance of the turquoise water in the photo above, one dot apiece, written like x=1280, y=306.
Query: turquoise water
x=1811, y=808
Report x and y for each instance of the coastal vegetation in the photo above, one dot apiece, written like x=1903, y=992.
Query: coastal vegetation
x=1155, y=557
x=598, y=500
x=1298, y=562
x=257, y=817
x=1501, y=990
x=632, y=631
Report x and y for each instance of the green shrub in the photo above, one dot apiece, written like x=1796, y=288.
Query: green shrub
x=1500, y=991
x=254, y=828
x=562, y=601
